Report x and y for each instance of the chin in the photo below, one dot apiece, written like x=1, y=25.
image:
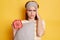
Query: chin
x=32, y=17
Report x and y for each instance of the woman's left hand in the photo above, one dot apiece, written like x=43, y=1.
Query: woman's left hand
x=38, y=16
x=39, y=28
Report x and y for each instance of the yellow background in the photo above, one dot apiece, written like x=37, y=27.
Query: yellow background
x=14, y=9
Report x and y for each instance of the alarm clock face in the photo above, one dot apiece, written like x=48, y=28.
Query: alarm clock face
x=17, y=24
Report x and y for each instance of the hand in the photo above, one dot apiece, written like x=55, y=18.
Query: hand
x=38, y=16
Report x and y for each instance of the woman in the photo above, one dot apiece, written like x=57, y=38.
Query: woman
x=32, y=15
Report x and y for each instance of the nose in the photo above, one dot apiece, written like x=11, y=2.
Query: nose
x=31, y=12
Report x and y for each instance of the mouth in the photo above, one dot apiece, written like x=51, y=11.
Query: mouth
x=32, y=15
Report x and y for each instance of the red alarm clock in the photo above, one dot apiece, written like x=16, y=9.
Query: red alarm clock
x=17, y=24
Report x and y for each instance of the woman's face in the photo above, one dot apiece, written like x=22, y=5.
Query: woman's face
x=31, y=12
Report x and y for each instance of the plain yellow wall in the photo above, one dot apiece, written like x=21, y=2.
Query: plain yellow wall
x=14, y=9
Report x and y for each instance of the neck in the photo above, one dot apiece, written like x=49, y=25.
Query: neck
x=31, y=19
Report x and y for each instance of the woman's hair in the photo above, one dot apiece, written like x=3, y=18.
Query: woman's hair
x=26, y=13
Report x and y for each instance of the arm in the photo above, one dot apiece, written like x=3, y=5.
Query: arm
x=17, y=24
x=14, y=31
x=39, y=27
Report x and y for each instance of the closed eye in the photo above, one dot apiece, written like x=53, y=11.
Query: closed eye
x=34, y=10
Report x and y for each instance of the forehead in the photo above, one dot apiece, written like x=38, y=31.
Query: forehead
x=31, y=8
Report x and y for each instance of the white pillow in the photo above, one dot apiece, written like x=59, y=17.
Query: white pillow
x=26, y=32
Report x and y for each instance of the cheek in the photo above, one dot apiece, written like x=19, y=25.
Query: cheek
x=34, y=13
x=28, y=13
